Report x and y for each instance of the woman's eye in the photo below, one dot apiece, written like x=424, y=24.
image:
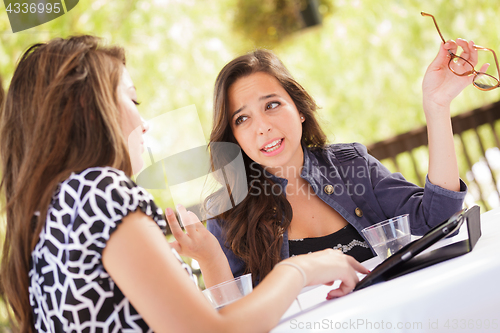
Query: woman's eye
x=272, y=105
x=136, y=103
x=240, y=119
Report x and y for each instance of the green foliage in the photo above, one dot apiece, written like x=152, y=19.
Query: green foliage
x=267, y=23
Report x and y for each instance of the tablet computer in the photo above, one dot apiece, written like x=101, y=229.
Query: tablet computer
x=389, y=268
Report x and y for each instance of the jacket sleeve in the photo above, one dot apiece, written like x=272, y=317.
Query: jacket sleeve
x=237, y=265
x=427, y=206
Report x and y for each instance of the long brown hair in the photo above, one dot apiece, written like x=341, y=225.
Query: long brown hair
x=60, y=116
x=1, y=92
x=253, y=228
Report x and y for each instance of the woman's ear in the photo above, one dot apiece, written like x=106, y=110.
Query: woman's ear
x=302, y=118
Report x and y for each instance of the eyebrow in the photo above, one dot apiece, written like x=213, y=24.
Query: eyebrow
x=260, y=99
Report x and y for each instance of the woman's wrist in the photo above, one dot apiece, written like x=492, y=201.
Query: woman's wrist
x=295, y=267
x=216, y=259
x=433, y=109
x=215, y=270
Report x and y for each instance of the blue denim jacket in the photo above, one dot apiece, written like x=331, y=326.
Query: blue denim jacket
x=364, y=192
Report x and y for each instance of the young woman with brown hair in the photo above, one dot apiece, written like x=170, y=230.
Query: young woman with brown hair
x=305, y=195
x=84, y=242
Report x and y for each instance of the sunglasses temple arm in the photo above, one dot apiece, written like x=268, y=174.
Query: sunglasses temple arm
x=435, y=23
x=496, y=62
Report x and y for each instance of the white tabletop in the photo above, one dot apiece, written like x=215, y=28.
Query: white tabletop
x=457, y=295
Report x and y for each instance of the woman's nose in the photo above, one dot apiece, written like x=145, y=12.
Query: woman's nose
x=264, y=125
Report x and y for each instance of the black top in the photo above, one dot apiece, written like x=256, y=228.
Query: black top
x=348, y=240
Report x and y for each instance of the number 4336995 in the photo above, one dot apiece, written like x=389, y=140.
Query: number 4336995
x=33, y=8
x=471, y=324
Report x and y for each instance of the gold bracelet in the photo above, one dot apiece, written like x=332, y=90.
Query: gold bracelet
x=297, y=267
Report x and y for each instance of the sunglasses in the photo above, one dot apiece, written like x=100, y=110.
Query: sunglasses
x=481, y=80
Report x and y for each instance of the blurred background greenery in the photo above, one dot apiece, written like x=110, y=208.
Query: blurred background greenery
x=364, y=64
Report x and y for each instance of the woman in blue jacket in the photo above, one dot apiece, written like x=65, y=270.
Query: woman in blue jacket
x=305, y=195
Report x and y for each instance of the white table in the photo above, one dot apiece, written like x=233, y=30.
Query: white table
x=457, y=295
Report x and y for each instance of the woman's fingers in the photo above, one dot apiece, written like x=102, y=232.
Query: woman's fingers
x=342, y=290
x=467, y=60
x=484, y=68
x=353, y=266
x=174, y=224
x=450, y=46
x=357, y=266
x=473, y=59
x=188, y=218
x=349, y=277
x=176, y=246
x=469, y=52
x=346, y=286
x=443, y=57
x=190, y=221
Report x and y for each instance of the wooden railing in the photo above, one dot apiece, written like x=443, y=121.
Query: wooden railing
x=474, y=133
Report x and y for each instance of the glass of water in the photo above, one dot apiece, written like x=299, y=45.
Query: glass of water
x=229, y=291
x=389, y=236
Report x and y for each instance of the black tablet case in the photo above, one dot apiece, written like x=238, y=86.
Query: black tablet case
x=444, y=253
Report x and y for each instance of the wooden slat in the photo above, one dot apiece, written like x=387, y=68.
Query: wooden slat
x=469, y=164
x=483, y=151
x=418, y=137
x=472, y=120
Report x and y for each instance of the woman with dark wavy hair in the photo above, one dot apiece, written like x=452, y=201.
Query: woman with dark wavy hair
x=305, y=195
x=85, y=249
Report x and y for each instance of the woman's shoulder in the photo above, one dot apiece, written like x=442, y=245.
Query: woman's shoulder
x=100, y=175
x=100, y=179
x=342, y=152
x=104, y=190
x=95, y=201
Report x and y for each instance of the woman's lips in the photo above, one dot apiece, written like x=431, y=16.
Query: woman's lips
x=273, y=148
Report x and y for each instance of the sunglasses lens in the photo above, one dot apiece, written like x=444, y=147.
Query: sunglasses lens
x=485, y=81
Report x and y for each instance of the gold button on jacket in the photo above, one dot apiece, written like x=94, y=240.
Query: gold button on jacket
x=328, y=189
x=358, y=212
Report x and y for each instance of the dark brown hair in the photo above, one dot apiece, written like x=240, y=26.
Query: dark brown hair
x=253, y=228
x=1, y=92
x=60, y=116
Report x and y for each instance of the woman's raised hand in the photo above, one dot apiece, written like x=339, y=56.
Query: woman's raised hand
x=440, y=85
x=199, y=243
